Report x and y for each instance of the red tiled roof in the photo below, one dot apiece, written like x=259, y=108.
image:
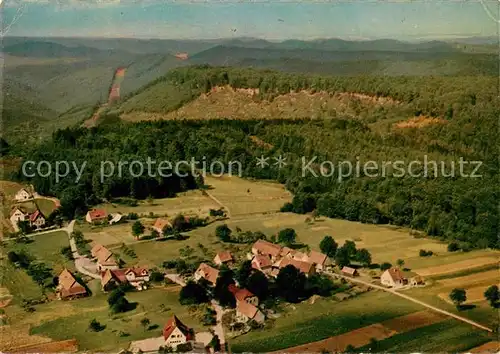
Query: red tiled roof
x=69, y=285
x=117, y=274
x=160, y=224
x=174, y=323
x=239, y=294
x=317, y=257
x=138, y=272
x=304, y=267
x=348, y=270
x=98, y=214
x=209, y=273
x=246, y=308
x=35, y=215
x=396, y=274
x=225, y=256
x=261, y=261
x=268, y=248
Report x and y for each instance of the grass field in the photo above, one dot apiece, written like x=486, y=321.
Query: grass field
x=191, y=202
x=47, y=248
x=245, y=197
x=18, y=283
x=449, y=336
x=109, y=235
x=149, y=304
x=466, y=264
x=306, y=322
x=46, y=206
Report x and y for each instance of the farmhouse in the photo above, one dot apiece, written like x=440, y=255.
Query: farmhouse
x=262, y=247
x=104, y=257
x=304, y=267
x=137, y=277
x=297, y=255
x=206, y=272
x=37, y=220
x=160, y=224
x=246, y=312
x=393, y=277
x=69, y=287
x=349, y=271
x=97, y=216
x=175, y=332
x=18, y=214
x=243, y=295
x=22, y=195
x=224, y=257
x=262, y=263
x=320, y=260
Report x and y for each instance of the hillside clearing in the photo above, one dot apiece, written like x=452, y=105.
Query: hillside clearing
x=458, y=266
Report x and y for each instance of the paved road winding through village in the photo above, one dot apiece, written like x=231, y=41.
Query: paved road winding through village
x=379, y=287
x=79, y=259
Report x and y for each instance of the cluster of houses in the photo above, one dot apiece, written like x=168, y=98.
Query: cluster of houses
x=35, y=219
x=111, y=273
x=268, y=258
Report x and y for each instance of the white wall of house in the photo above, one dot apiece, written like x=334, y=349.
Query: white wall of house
x=176, y=338
x=22, y=195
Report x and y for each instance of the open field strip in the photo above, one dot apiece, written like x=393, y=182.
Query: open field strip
x=447, y=336
x=189, y=203
x=490, y=347
x=458, y=266
x=65, y=346
x=305, y=322
x=362, y=336
x=492, y=276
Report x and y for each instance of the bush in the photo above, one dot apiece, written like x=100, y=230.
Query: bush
x=453, y=247
x=95, y=326
x=424, y=253
x=385, y=266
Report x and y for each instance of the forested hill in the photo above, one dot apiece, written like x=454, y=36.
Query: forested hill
x=452, y=208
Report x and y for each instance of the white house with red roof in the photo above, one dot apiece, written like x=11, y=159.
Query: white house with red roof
x=175, y=332
x=320, y=260
x=160, y=225
x=37, y=220
x=262, y=247
x=97, y=216
x=262, y=263
x=393, y=277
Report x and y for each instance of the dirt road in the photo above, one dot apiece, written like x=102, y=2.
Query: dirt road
x=379, y=287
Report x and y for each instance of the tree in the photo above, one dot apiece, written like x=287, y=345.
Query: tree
x=179, y=223
x=342, y=258
x=145, y=322
x=385, y=266
x=4, y=147
x=156, y=276
x=258, y=284
x=458, y=296
x=364, y=257
x=223, y=232
x=350, y=248
x=95, y=326
x=287, y=236
x=400, y=262
x=453, y=247
x=215, y=343
x=154, y=234
x=221, y=290
x=492, y=294
x=243, y=273
x=328, y=246
x=24, y=226
x=137, y=228
x=290, y=283
x=121, y=305
x=13, y=257
x=114, y=296
x=193, y=293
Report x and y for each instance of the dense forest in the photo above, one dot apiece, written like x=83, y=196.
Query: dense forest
x=451, y=208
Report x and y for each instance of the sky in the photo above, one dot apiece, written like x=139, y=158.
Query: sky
x=272, y=19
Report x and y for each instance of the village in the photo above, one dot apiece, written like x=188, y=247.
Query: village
x=263, y=257
x=229, y=283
